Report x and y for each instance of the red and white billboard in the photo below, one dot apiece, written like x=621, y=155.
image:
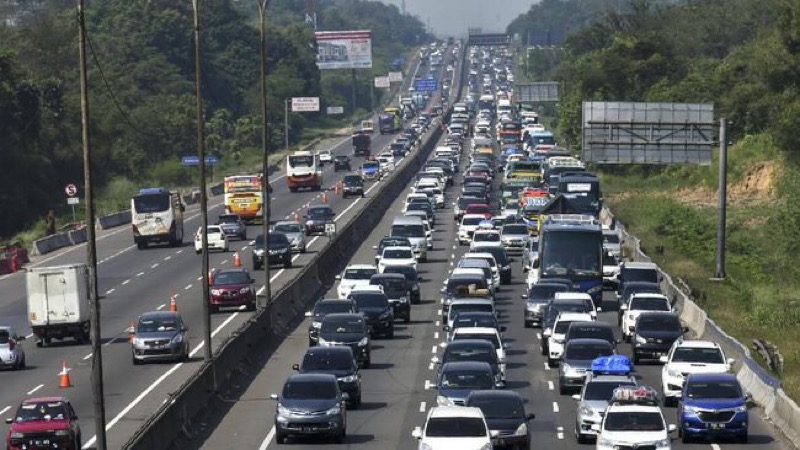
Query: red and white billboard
x=344, y=49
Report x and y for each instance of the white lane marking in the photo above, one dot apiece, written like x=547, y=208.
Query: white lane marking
x=111, y=341
x=436, y=335
x=179, y=252
x=154, y=266
x=140, y=274
x=555, y=407
x=188, y=286
x=433, y=349
x=560, y=432
x=29, y=336
x=155, y=384
x=546, y=366
x=126, y=281
x=167, y=258
x=437, y=323
x=430, y=366
x=224, y=261
x=161, y=306
x=110, y=291
x=427, y=384
x=715, y=447
x=35, y=389
x=439, y=312
x=199, y=278
x=422, y=407
x=539, y=336
x=87, y=356
x=550, y=385
x=4, y=410
x=267, y=439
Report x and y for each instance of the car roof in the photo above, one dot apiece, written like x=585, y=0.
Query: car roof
x=46, y=400
x=639, y=265
x=334, y=300
x=470, y=343
x=466, y=365
x=476, y=330
x=319, y=350
x=572, y=295
x=397, y=247
x=697, y=344
x=159, y=314
x=286, y=222
x=311, y=377
x=649, y=295
x=707, y=377
x=232, y=270
x=471, y=301
x=466, y=272
x=591, y=323
x=397, y=276
x=573, y=316
x=361, y=266
x=454, y=411
x=343, y=316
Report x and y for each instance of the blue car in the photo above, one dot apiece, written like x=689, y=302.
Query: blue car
x=713, y=405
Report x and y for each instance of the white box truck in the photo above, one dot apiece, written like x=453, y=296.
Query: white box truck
x=58, y=302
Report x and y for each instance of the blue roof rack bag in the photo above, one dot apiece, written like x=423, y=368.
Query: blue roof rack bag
x=612, y=365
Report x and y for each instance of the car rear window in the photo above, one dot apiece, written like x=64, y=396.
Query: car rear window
x=309, y=389
x=455, y=427
x=324, y=360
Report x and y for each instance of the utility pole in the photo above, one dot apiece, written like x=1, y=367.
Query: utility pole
x=719, y=271
x=286, y=123
x=98, y=398
x=265, y=209
x=201, y=156
x=354, y=92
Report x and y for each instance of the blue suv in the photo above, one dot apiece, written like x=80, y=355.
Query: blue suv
x=713, y=405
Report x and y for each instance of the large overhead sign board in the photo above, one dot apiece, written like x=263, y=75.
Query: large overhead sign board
x=546, y=91
x=344, y=49
x=648, y=133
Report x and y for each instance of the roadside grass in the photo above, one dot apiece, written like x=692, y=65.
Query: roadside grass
x=760, y=297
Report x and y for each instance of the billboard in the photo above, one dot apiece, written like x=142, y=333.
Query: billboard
x=546, y=91
x=344, y=49
x=305, y=104
x=395, y=77
x=382, y=82
x=335, y=110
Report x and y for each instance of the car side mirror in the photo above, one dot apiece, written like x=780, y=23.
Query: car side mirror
x=419, y=278
x=576, y=397
x=524, y=296
x=671, y=428
x=9, y=420
x=345, y=396
x=663, y=359
x=374, y=247
x=435, y=360
x=446, y=328
x=599, y=309
x=685, y=329
x=273, y=396
x=20, y=338
x=494, y=433
x=184, y=329
x=530, y=416
x=547, y=333
x=595, y=427
x=442, y=290
x=417, y=433
x=623, y=307
x=731, y=361
x=502, y=328
x=296, y=367
x=252, y=280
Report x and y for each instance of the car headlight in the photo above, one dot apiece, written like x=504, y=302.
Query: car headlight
x=584, y=410
x=17, y=435
x=283, y=411
x=363, y=342
x=335, y=410
x=664, y=443
x=740, y=409
x=244, y=290
x=216, y=292
x=691, y=409
x=441, y=400
x=62, y=432
x=673, y=373
x=177, y=339
x=316, y=324
x=403, y=300
x=259, y=252
x=522, y=429
x=604, y=442
x=641, y=340
x=348, y=379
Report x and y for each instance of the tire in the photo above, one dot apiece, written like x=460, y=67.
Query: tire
x=257, y=266
x=287, y=264
x=251, y=306
x=580, y=438
x=636, y=358
x=743, y=438
x=390, y=333
x=213, y=309
x=685, y=437
x=135, y=361
x=340, y=438
x=407, y=319
x=280, y=438
x=368, y=362
x=528, y=324
x=24, y=363
x=562, y=390
x=141, y=245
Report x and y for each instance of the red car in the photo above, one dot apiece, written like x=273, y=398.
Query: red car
x=44, y=423
x=232, y=287
x=479, y=208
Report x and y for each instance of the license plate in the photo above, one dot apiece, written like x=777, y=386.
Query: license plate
x=244, y=205
x=42, y=442
x=716, y=426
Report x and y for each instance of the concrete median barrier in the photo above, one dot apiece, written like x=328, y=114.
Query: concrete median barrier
x=50, y=243
x=113, y=220
x=77, y=236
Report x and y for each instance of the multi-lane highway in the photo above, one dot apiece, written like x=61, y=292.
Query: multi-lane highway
x=133, y=281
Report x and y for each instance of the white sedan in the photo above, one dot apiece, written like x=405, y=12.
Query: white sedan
x=397, y=256
x=216, y=239
x=325, y=156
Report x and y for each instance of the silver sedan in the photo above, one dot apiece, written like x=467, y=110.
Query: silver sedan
x=294, y=232
x=12, y=355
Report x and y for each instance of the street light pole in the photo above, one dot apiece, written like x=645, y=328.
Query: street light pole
x=286, y=124
x=91, y=243
x=262, y=21
x=201, y=161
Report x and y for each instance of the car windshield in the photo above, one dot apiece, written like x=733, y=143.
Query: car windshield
x=649, y=275
x=278, y=240
x=418, y=205
x=587, y=351
x=634, y=421
x=476, y=379
x=391, y=284
x=288, y=228
x=603, y=390
x=714, y=389
x=156, y=324
x=231, y=278
x=515, y=229
x=698, y=355
x=307, y=390
x=493, y=408
x=649, y=304
x=408, y=230
x=462, y=353
x=360, y=274
x=663, y=323
x=398, y=254
x=591, y=331
x=475, y=320
x=455, y=427
x=41, y=411
x=396, y=242
x=327, y=361
x=371, y=300
x=342, y=326
x=486, y=237
x=324, y=308
x=544, y=292
x=457, y=308
x=319, y=213
x=492, y=338
x=499, y=253
x=229, y=218
x=470, y=221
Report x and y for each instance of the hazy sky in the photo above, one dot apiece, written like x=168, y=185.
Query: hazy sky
x=453, y=17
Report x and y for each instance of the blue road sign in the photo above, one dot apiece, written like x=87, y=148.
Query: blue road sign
x=428, y=85
x=194, y=160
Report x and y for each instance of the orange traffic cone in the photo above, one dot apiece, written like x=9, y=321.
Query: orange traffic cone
x=173, y=305
x=132, y=336
x=237, y=262
x=65, y=381
x=336, y=189
x=324, y=197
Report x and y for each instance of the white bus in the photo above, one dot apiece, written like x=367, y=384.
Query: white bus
x=157, y=216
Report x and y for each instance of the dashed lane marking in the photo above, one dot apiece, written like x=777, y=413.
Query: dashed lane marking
x=550, y=385
x=555, y=407
x=422, y=408
x=126, y=281
x=188, y=286
x=35, y=389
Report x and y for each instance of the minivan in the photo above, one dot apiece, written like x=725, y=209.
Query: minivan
x=413, y=228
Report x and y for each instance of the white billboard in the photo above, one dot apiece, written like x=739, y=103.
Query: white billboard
x=382, y=82
x=305, y=104
x=335, y=110
x=395, y=77
x=344, y=49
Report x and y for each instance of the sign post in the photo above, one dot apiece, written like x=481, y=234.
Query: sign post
x=71, y=190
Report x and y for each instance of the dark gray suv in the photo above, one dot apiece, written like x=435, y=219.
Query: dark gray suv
x=311, y=404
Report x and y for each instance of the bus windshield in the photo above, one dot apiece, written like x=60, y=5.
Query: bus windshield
x=571, y=253
x=301, y=160
x=150, y=203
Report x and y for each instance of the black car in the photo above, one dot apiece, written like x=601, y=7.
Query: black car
x=395, y=288
x=505, y=413
x=280, y=250
x=501, y=256
x=304, y=395
x=352, y=185
x=654, y=334
x=341, y=162
x=233, y=226
x=556, y=307
x=390, y=241
x=576, y=361
x=477, y=350
x=339, y=362
x=377, y=311
x=412, y=279
x=398, y=149
x=634, y=287
x=349, y=330
x=537, y=297
x=633, y=271
x=316, y=218
x=594, y=329
x=460, y=286
x=324, y=307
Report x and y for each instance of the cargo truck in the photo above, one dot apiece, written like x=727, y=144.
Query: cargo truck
x=58, y=302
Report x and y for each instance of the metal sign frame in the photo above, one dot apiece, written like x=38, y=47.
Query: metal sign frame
x=544, y=91
x=648, y=133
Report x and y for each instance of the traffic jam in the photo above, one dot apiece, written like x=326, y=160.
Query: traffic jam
x=525, y=212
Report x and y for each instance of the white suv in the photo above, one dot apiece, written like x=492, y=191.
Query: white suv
x=638, y=304
x=454, y=427
x=355, y=275
x=469, y=223
x=686, y=357
x=636, y=422
x=556, y=335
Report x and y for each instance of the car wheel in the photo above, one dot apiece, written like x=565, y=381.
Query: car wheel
x=368, y=362
x=251, y=306
x=288, y=263
x=340, y=438
x=580, y=438
x=197, y=251
x=685, y=437
x=256, y=266
x=636, y=358
x=213, y=309
x=390, y=333
x=280, y=438
x=407, y=319
x=743, y=438
x=24, y=363
x=528, y=324
x=136, y=362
